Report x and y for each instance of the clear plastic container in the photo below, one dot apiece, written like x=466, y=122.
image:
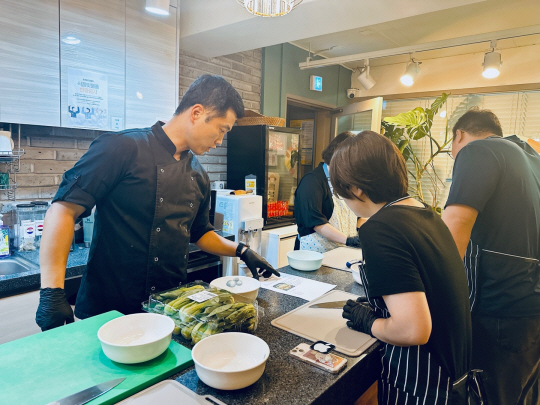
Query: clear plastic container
x=26, y=228
x=40, y=209
x=218, y=310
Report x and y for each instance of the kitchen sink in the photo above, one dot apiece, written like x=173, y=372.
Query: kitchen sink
x=15, y=265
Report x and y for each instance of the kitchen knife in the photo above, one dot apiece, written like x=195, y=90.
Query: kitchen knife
x=334, y=304
x=84, y=396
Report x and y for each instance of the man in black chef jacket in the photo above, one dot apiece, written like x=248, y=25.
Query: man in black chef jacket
x=152, y=197
x=493, y=213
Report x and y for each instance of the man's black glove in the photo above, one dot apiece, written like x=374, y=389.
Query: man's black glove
x=257, y=264
x=53, y=309
x=360, y=316
x=353, y=241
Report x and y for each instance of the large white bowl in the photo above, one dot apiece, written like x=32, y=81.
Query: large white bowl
x=136, y=338
x=249, y=288
x=231, y=360
x=305, y=260
x=356, y=274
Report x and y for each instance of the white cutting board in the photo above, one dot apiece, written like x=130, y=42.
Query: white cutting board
x=337, y=258
x=170, y=392
x=326, y=324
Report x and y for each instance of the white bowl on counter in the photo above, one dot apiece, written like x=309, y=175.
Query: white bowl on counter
x=231, y=360
x=305, y=260
x=247, y=287
x=356, y=274
x=136, y=338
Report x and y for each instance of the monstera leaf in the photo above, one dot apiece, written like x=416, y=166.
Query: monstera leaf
x=411, y=119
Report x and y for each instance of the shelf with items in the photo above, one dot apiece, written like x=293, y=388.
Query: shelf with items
x=10, y=165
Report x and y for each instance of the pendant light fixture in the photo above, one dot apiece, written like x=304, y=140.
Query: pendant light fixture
x=410, y=73
x=160, y=7
x=269, y=8
x=492, y=62
x=365, y=78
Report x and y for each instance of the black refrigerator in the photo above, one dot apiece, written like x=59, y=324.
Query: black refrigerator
x=271, y=154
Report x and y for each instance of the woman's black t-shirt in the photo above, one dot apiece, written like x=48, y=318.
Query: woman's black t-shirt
x=409, y=249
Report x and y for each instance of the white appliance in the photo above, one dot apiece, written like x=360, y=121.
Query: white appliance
x=242, y=217
x=276, y=243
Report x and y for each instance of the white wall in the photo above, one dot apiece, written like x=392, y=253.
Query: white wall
x=520, y=66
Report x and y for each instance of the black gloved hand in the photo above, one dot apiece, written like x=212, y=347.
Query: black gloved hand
x=360, y=316
x=53, y=309
x=353, y=241
x=257, y=264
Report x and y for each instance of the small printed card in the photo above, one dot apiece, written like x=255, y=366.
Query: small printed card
x=202, y=296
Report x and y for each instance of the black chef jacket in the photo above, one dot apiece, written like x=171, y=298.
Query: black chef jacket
x=149, y=206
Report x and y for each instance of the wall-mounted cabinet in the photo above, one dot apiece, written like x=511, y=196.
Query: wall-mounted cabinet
x=101, y=64
x=29, y=62
x=92, y=53
x=151, y=65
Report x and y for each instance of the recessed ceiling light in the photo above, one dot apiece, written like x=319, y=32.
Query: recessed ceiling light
x=139, y=95
x=443, y=114
x=71, y=40
x=160, y=7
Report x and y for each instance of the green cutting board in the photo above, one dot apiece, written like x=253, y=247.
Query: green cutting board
x=42, y=368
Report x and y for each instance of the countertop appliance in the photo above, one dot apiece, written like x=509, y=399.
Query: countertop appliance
x=242, y=217
x=271, y=154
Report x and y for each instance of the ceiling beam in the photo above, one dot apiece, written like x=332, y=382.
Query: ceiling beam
x=428, y=46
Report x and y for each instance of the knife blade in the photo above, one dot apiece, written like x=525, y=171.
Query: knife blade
x=329, y=305
x=84, y=396
x=335, y=304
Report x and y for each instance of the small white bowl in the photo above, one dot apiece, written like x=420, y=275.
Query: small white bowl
x=305, y=260
x=248, y=289
x=136, y=338
x=230, y=361
x=356, y=274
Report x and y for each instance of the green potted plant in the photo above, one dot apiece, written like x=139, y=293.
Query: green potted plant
x=405, y=130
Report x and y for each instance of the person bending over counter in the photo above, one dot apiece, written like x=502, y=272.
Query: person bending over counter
x=324, y=220
x=415, y=283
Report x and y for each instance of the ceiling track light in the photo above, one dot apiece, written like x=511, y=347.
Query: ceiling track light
x=160, y=7
x=365, y=78
x=492, y=63
x=410, y=73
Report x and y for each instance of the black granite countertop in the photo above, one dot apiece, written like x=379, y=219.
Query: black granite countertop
x=287, y=380
x=12, y=284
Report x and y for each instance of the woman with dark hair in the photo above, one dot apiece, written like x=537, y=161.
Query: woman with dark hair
x=413, y=275
x=324, y=220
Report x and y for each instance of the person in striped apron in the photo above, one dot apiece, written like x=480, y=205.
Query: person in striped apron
x=493, y=213
x=412, y=274
x=324, y=220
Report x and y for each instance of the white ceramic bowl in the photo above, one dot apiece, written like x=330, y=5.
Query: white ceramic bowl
x=248, y=289
x=305, y=260
x=356, y=274
x=231, y=360
x=136, y=338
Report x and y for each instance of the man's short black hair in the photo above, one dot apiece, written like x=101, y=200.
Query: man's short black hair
x=213, y=93
x=477, y=122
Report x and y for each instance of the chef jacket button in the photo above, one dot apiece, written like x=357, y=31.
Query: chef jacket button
x=156, y=259
x=185, y=256
x=191, y=205
x=162, y=171
x=161, y=200
x=158, y=229
x=192, y=178
x=152, y=288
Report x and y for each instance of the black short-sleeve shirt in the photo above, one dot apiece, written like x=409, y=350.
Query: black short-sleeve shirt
x=500, y=178
x=313, y=204
x=149, y=206
x=408, y=249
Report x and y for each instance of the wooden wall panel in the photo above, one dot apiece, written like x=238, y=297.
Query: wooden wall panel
x=29, y=62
